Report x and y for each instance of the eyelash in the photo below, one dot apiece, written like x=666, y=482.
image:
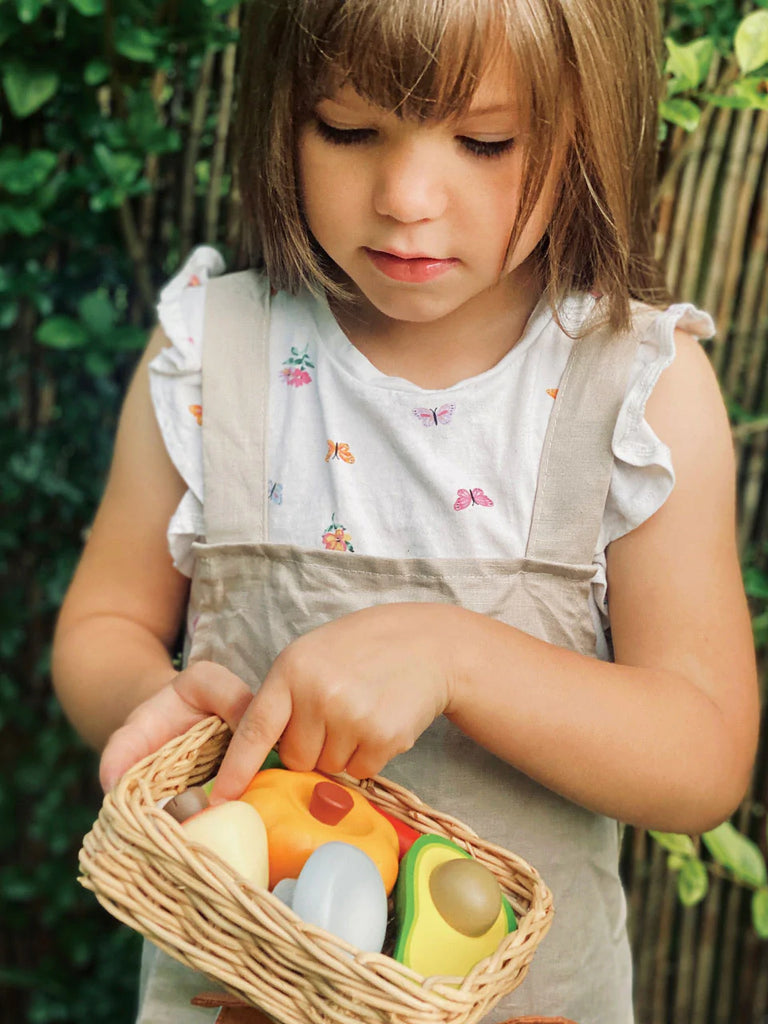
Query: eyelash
x=359, y=136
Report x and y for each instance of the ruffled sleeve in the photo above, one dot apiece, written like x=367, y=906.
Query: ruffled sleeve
x=643, y=474
x=175, y=387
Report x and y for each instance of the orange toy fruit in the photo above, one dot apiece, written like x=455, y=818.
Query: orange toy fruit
x=303, y=810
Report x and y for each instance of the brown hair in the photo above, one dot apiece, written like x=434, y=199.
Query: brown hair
x=588, y=64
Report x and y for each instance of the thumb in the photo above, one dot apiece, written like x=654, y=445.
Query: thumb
x=160, y=718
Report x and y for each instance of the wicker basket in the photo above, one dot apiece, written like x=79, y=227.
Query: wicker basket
x=143, y=869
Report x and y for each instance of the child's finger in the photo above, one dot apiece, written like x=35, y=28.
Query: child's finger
x=151, y=725
x=259, y=729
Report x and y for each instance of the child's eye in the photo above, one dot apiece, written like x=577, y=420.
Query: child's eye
x=488, y=149
x=343, y=136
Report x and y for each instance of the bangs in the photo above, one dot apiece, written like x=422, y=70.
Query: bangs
x=422, y=58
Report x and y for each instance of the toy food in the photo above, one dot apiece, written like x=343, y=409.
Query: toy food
x=443, y=911
x=341, y=889
x=236, y=833
x=406, y=836
x=185, y=804
x=303, y=810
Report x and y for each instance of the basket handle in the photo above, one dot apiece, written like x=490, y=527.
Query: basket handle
x=235, y=1011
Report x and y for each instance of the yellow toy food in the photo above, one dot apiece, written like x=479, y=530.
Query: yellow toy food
x=449, y=908
x=236, y=833
x=303, y=810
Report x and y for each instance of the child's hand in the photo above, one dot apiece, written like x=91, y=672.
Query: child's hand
x=200, y=690
x=349, y=695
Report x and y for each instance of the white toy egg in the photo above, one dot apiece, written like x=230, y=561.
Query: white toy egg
x=341, y=889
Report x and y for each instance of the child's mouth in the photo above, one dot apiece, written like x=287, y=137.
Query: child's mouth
x=413, y=269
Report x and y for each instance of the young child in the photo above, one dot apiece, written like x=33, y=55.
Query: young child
x=452, y=485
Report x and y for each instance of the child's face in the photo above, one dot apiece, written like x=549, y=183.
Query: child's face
x=418, y=215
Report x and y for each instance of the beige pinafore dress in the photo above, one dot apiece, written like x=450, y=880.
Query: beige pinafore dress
x=250, y=598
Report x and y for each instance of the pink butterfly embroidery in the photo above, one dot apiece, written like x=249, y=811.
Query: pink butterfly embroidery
x=435, y=417
x=473, y=496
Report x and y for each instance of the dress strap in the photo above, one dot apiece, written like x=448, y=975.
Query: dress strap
x=577, y=458
x=235, y=389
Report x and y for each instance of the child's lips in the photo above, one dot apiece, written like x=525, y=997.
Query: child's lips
x=415, y=269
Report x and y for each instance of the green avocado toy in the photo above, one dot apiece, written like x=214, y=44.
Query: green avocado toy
x=449, y=908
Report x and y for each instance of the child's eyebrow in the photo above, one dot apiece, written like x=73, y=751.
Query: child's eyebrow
x=492, y=108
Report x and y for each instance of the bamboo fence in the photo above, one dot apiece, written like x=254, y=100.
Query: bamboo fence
x=701, y=965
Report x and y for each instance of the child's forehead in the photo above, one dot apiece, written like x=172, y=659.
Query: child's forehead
x=495, y=89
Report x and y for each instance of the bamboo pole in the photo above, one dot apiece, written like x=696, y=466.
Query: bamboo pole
x=742, y=273
x=715, y=297
x=749, y=130
x=189, y=173
x=664, y=949
x=647, y=960
x=689, y=183
x=752, y=490
x=685, y=964
x=218, y=159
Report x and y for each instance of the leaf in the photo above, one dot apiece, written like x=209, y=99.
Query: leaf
x=97, y=312
x=683, y=113
x=25, y=221
x=27, y=90
x=731, y=102
x=673, y=842
x=756, y=582
x=61, y=332
x=751, y=41
x=688, y=63
x=753, y=91
x=28, y=10
x=760, y=912
x=692, y=882
x=737, y=853
x=127, y=338
x=22, y=175
x=136, y=43
x=89, y=8
x=122, y=169
x=96, y=71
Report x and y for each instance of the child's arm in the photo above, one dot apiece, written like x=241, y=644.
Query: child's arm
x=664, y=738
x=122, y=613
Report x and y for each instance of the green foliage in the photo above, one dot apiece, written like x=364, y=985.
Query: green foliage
x=731, y=854
x=700, y=31
x=83, y=111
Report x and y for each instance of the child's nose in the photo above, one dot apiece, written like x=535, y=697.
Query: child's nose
x=410, y=185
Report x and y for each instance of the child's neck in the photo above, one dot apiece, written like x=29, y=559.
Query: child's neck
x=440, y=353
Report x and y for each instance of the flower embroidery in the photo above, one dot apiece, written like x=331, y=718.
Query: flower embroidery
x=294, y=371
x=197, y=412
x=336, y=537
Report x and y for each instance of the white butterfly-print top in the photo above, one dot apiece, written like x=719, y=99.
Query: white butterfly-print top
x=363, y=462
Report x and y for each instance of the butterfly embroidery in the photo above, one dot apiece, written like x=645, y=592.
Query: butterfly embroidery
x=275, y=493
x=436, y=416
x=197, y=412
x=339, y=450
x=472, y=496
x=193, y=282
x=552, y=392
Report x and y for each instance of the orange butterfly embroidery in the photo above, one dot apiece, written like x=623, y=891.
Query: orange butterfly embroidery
x=552, y=392
x=197, y=412
x=339, y=450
